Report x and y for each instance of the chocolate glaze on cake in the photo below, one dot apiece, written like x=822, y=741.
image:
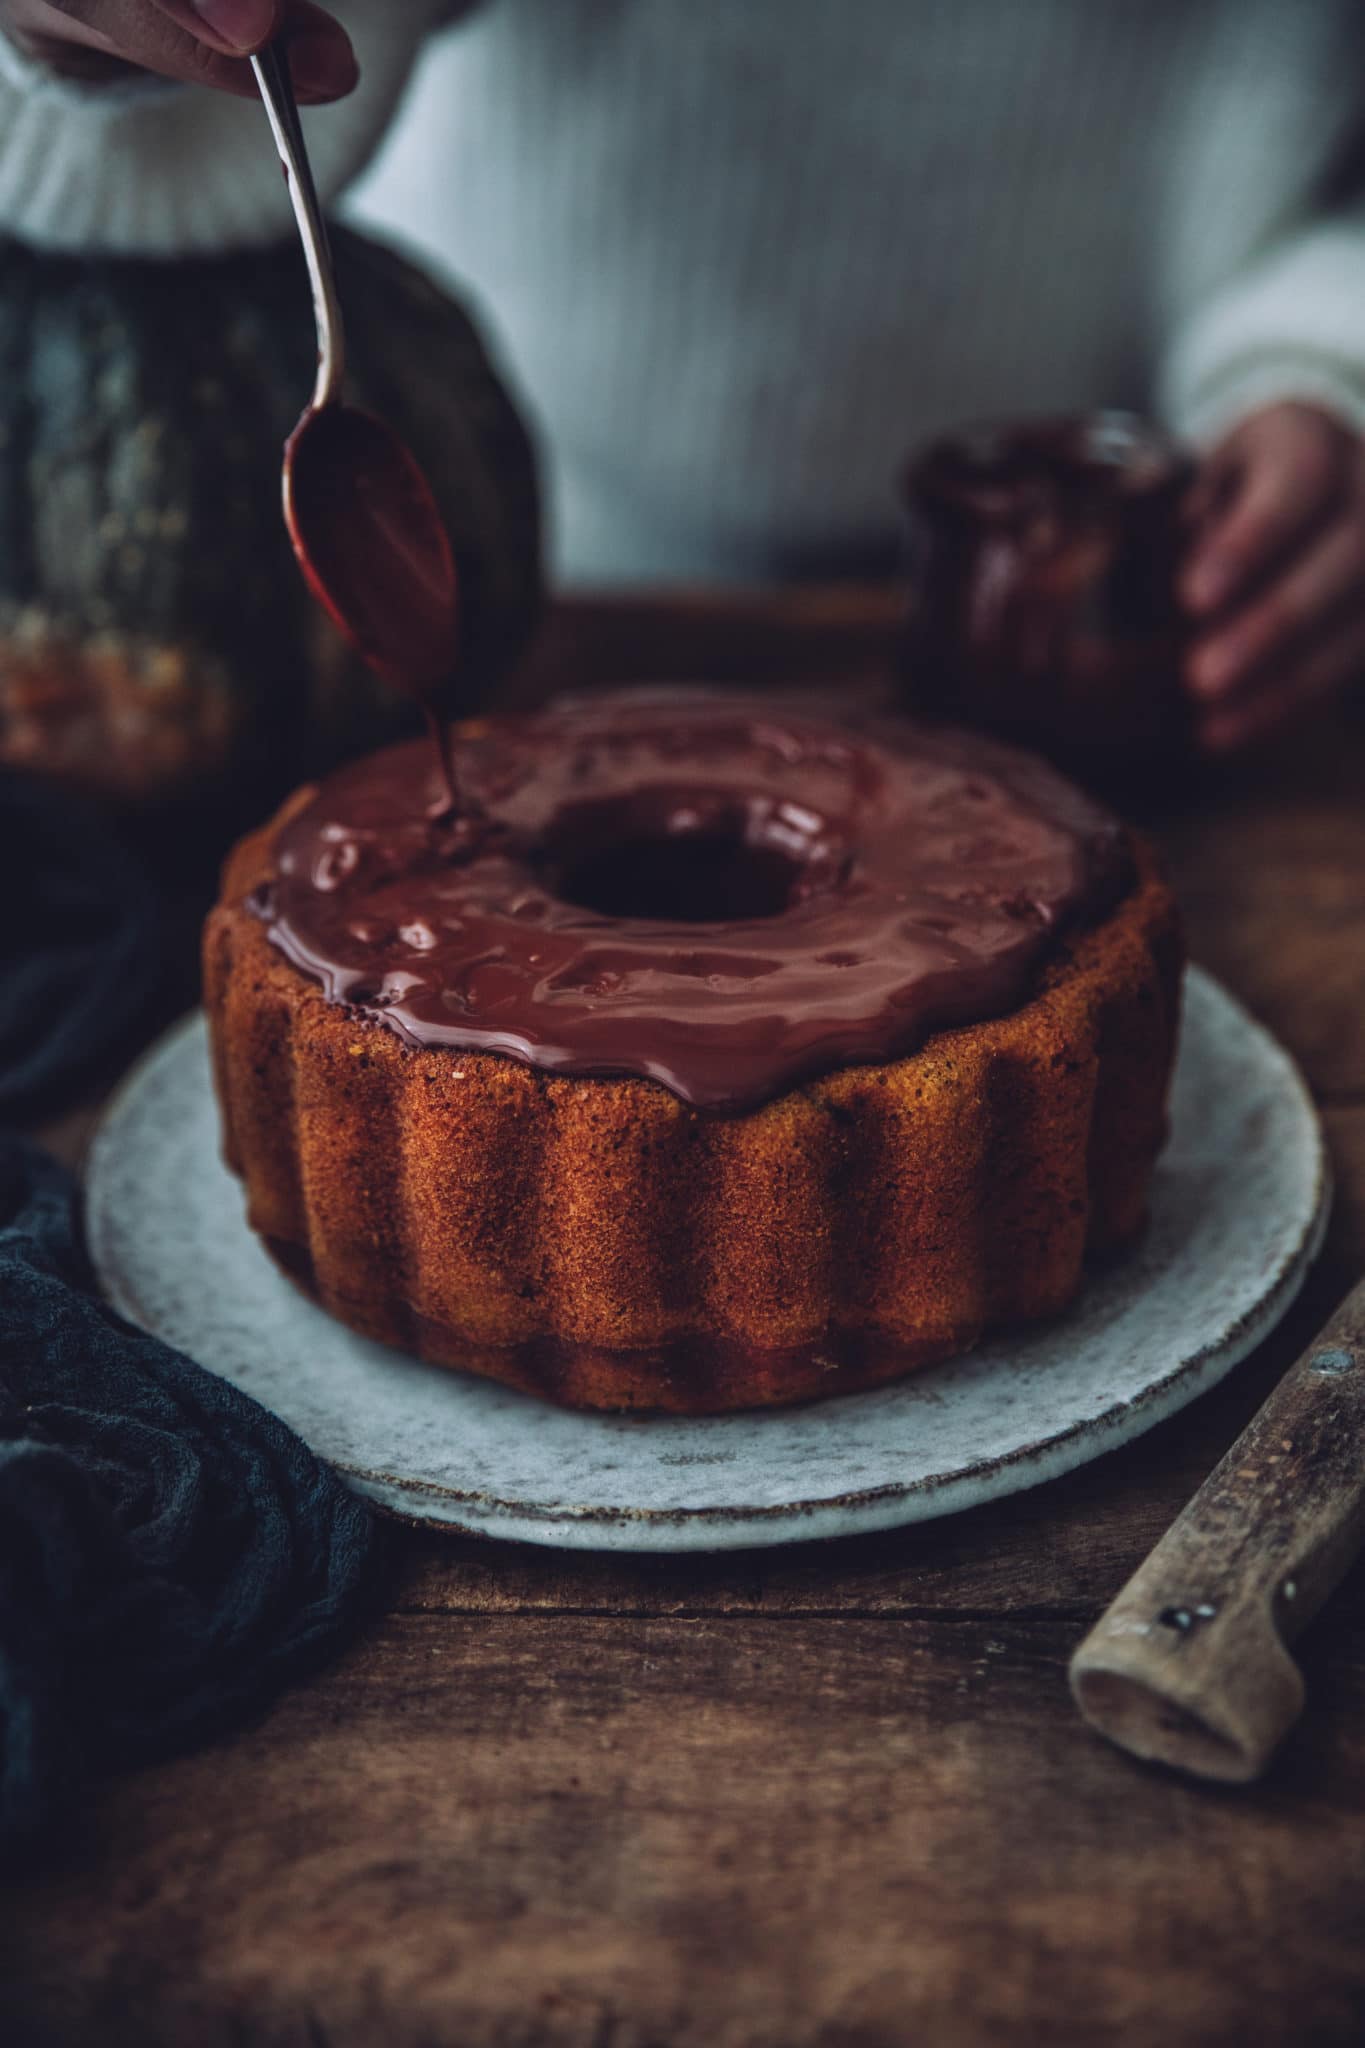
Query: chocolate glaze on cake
x=727, y=894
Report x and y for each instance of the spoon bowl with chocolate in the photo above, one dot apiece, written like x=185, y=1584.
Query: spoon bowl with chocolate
x=363, y=520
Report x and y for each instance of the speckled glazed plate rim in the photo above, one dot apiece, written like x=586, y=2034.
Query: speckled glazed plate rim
x=892, y=1506
x=733, y=1524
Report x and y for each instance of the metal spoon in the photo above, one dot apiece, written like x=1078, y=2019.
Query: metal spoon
x=361, y=515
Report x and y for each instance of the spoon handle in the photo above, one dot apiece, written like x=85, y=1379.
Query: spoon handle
x=277, y=92
x=1190, y=1666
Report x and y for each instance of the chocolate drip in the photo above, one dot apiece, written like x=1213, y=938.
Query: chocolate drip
x=374, y=551
x=725, y=894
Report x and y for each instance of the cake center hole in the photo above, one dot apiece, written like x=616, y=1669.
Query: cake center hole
x=681, y=878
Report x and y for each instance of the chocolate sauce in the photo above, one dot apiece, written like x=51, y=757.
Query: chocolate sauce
x=1046, y=584
x=726, y=894
x=372, y=545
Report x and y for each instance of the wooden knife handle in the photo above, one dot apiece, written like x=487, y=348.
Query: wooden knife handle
x=1189, y=1666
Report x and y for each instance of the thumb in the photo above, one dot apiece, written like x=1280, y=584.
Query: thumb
x=234, y=27
x=199, y=42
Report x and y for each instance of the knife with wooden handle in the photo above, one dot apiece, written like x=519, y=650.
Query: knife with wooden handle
x=1190, y=1665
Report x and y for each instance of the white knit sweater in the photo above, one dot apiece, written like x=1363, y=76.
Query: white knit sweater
x=741, y=254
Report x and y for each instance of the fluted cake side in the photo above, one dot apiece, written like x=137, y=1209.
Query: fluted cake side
x=602, y=1244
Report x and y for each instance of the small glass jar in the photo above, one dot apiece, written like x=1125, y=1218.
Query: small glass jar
x=1045, y=562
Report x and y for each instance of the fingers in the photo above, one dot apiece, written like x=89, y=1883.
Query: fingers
x=198, y=42
x=1319, y=584
x=1279, y=475
x=1276, y=581
x=1337, y=658
x=233, y=27
x=322, y=62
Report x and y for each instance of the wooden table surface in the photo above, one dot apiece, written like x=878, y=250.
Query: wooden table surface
x=833, y=1793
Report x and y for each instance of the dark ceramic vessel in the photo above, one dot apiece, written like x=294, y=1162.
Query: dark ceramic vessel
x=1045, y=562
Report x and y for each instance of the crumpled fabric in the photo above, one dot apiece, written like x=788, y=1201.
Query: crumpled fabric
x=171, y=1554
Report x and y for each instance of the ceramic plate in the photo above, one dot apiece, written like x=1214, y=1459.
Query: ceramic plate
x=1238, y=1208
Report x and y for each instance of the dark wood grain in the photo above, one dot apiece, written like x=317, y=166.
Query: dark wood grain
x=1270, y=862
x=718, y=1829
x=834, y=1794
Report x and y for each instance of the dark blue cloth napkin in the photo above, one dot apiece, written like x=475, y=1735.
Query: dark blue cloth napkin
x=170, y=1553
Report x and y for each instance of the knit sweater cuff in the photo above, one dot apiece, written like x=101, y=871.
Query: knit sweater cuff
x=144, y=168
x=38, y=81
x=1289, y=328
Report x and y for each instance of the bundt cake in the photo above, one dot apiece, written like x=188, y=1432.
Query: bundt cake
x=717, y=1051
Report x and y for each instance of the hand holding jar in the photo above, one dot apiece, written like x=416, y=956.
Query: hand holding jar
x=1081, y=583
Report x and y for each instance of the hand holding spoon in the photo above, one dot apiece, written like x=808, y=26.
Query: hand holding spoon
x=361, y=515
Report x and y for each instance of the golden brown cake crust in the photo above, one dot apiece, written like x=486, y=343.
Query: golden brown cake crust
x=600, y=1243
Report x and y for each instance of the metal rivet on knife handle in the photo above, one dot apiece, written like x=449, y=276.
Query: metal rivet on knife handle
x=1190, y=1665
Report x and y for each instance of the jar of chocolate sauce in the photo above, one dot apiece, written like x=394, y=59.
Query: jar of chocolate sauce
x=1045, y=562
